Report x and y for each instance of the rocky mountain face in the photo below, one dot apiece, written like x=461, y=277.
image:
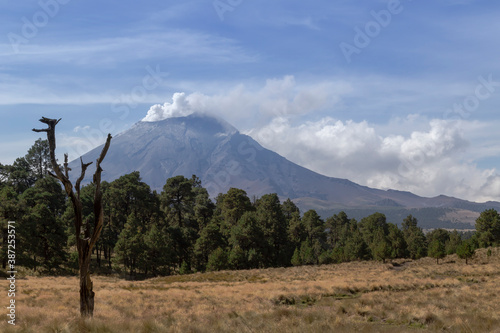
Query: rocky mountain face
x=222, y=157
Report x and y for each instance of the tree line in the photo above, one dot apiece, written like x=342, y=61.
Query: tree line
x=182, y=230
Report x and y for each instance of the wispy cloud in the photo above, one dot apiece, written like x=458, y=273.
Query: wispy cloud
x=306, y=22
x=180, y=44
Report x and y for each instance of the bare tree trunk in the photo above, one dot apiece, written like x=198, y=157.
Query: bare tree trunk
x=86, y=286
x=86, y=238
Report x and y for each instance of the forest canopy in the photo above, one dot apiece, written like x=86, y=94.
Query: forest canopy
x=182, y=230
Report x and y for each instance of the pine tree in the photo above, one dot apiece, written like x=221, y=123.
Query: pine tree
x=238, y=258
x=25, y=171
x=296, y=230
x=308, y=254
x=187, y=209
x=436, y=249
x=130, y=250
x=44, y=238
x=177, y=200
x=466, y=251
x=203, y=206
x=231, y=207
x=399, y=248
x=125, y=196
x=289, y=209
x=296, y=258
x=488, y=228
x=381, y=247
x=248, y=243
x=414, y=238
x=453, y=243
x=356, y=247
x=209, y=240
x=38, y=159
x=217, y=260
x=18, y=175
x=272, y=222
x=159, y=246
x=337, y=226
x=370, y=225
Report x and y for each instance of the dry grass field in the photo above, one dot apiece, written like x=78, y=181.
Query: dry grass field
x=405, y=296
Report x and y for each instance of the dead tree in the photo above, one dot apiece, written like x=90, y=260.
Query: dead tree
x=86, y=238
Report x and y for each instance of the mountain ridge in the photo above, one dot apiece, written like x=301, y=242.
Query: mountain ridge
x=222, y=157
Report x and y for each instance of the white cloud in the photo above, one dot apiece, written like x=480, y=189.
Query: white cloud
x=81, y=128
x=179, y=107
x=428, y=163
x=278, y=97
x=307, y=22
x=175, y=44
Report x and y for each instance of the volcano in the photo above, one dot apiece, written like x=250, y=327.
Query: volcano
x=222, y=157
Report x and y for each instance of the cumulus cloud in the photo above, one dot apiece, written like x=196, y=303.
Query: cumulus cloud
x=277, y=97
x=428, y=163
x=179, y=107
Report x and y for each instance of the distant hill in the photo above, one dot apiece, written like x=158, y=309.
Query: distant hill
x=222, y=157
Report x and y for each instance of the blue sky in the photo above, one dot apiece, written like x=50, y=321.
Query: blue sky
x=390, y=94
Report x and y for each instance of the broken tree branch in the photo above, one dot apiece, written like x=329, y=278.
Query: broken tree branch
x=84, y=167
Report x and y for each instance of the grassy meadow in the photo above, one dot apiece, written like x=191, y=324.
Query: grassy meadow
x=402, y=296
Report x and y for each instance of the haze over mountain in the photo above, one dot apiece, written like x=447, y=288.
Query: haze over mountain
x=222, y=157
